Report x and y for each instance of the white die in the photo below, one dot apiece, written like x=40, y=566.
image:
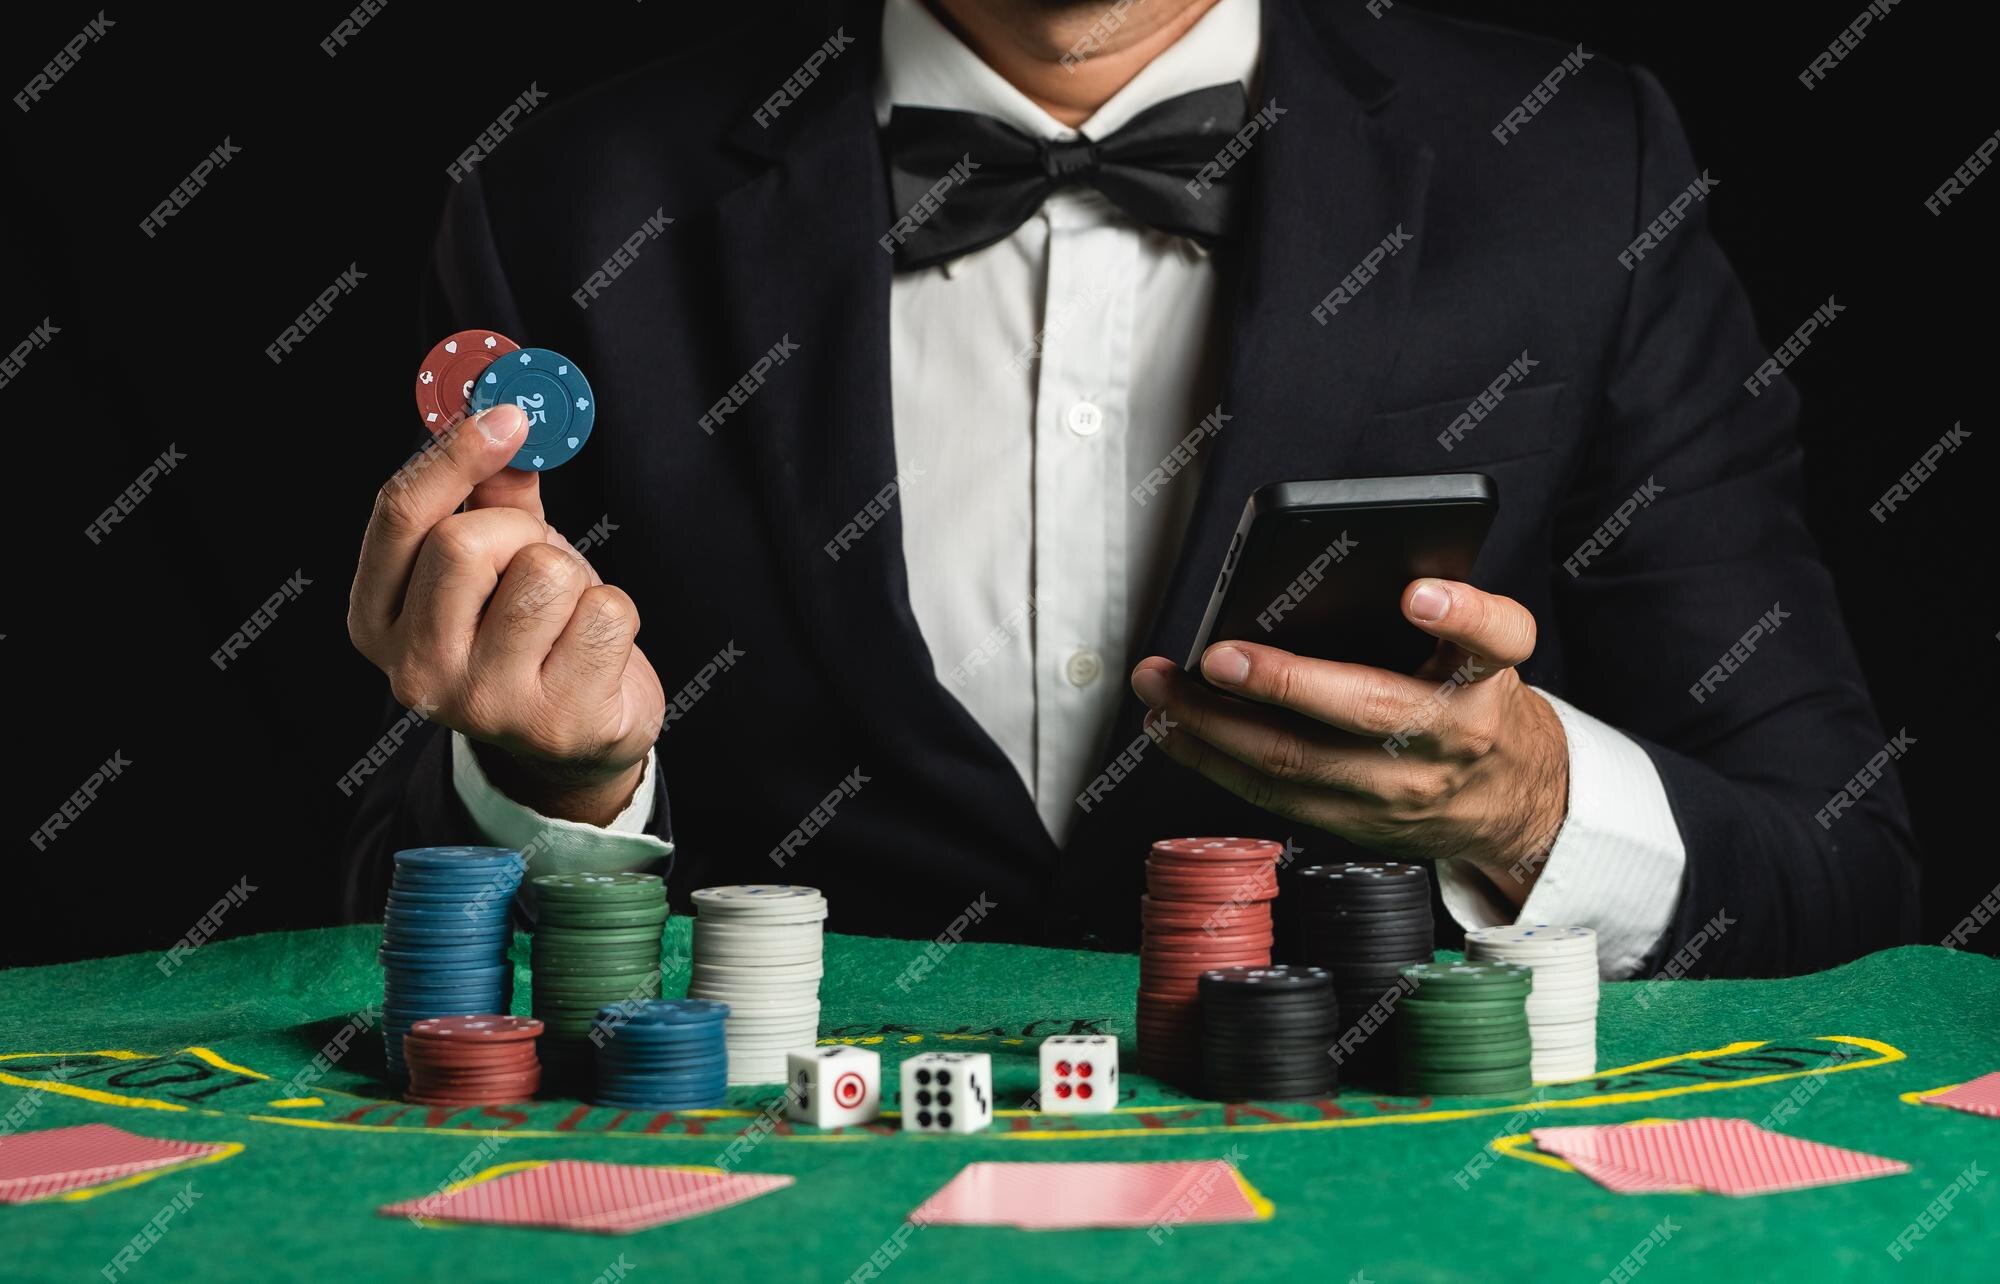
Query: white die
x=1079, y=1074
x=834, y=1086
x=947, y=1092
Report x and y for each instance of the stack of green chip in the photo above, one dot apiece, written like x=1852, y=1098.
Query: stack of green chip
x=1463, y=1029
x=596, y=945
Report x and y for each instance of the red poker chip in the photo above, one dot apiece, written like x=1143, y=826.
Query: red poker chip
x=444, y=380
x=1185, y=942
x=1151, y=908
x=1220, y=848
x=484, y=1029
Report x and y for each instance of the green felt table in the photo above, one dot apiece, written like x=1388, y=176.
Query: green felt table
x=1383, y=1188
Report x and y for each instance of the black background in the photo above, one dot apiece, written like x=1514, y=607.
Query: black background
x=1820, y=192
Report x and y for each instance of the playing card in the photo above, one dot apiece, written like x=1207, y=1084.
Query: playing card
x=1979, y=1096
x=1063, y=1196
x=611, y=1199
x=1722, y=1156
x=52, y=1161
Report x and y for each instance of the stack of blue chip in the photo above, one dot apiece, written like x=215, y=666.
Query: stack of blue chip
x=445, y=938
x=662, y=1054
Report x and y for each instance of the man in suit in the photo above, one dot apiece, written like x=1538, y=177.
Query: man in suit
x=933, y=410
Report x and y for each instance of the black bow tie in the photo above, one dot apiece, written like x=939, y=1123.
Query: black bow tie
x=961, y=181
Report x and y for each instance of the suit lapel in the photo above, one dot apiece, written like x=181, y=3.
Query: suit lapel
x=1331, y=186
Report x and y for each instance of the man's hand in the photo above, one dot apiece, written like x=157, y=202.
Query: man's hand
x=1463, y=759
x=488, y=620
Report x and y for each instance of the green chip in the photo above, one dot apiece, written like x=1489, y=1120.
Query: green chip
x=1454, y=976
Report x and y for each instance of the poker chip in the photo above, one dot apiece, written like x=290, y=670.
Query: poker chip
x=1364, y=922
x=555, y=396
x=1562, y=1007
x=1463, y=1029
x=445, y=936
x=665, y=1054
x=445, y=379
x=596, y=944
x=759, y=952
x=472, y=1060
x=1267, y=1032
x=1208, y=905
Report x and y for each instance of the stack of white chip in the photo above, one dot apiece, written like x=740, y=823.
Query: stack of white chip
x=759, y=948
x=1562, y=1009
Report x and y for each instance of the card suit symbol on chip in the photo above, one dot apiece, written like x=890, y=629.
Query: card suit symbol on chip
x=451, y=346
x=426, y=378
x=562, y=370
x=492, y=342
x=493, y=378
x=525, y=358
x=582, y=404
x=537, y=461
x=573, y=441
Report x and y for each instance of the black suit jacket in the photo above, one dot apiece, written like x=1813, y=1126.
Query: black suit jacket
x=1511, y=248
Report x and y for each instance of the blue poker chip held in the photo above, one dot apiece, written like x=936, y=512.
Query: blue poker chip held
x=445, y=937
x=552, y=392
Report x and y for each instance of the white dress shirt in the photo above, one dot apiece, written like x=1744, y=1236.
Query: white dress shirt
x=1035, y=383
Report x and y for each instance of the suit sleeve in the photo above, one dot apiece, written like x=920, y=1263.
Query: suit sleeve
x=411, y=800
x=1698, y=617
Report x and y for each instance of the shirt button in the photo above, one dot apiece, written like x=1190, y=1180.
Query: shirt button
x=1085, y=418
x=1083, y=668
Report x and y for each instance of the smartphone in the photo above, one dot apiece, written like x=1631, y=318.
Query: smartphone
x=1318, y=568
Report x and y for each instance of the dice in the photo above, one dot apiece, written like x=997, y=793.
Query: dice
x=1079, y=1074
x=832, y=1087
x=947, y=1092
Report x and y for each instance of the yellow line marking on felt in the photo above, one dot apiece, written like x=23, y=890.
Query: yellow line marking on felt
x=204, y=1054
x=102, y=1098
x=290, y=1103
x=1918, y=1098
x=1260, y=1205
x=230, y=1149
x=1516, y=1147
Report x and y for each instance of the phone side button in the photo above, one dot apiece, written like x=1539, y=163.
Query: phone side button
x=1229, y=558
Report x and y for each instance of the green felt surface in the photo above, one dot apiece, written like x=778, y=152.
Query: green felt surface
x=1379, y=1186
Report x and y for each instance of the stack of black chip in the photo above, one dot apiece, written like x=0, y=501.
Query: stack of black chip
x=1266, y=1033
x=1363, y=923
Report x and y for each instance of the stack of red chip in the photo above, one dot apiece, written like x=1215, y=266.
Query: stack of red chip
x=1209, y=906
x=472, y=1060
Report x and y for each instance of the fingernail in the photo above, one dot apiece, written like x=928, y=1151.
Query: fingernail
x=1429, y=603
x=1227, y=665
x=496, y=426
x=1151, y=686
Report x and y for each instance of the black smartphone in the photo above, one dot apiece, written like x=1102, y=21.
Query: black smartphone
x=1319, y=567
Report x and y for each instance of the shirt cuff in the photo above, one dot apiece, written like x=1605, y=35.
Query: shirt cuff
x=555, y=846
x=1617, y=862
